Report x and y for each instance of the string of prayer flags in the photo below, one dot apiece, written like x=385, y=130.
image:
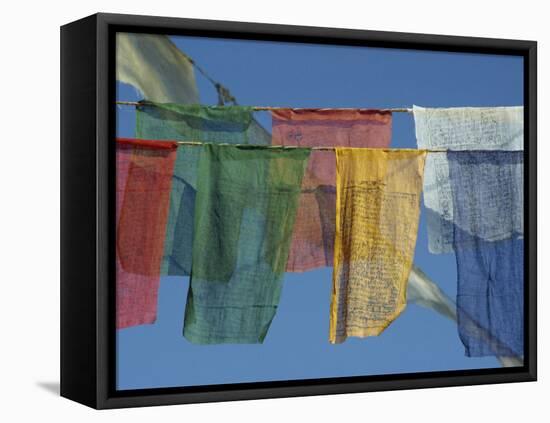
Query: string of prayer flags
x=213, y=124
x=313, y=237
x=486, y=186
x=144, y=179
x=377, y=213
x=245, y=211
x=461, y=128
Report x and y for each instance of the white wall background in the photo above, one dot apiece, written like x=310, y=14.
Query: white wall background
x=29, y=210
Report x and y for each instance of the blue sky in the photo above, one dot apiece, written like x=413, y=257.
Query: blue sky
x=297, y=347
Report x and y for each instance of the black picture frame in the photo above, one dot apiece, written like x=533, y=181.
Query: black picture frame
x=87, y=210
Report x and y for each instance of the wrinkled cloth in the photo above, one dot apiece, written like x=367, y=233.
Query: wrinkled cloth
x=313, y=236
x=213, y=124
x=461, y=128
x=144, y=177
x=424, y=292
x=377, y=213
x=245, y=210
x=156, y=67
x=487, y=187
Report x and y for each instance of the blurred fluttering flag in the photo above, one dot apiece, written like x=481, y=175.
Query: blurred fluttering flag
x=156, y=67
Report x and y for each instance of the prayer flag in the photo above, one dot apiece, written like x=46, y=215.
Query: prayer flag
x=461, y=128
x=144, y=176
x=245, y=210
x=486, y=187
x=313, y=237
x=227, y=125
x=377, y=212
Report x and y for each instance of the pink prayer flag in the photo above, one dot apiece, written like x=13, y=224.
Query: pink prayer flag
x=313, y=237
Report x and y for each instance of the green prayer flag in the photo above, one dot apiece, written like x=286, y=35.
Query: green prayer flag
x=191, y=122
x=245, y=209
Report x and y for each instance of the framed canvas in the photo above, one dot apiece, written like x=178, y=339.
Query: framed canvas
x=258, y=211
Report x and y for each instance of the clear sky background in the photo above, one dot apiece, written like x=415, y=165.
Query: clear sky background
x=297, y=347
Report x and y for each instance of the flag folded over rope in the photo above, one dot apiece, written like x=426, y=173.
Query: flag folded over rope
x=486, y=187
x=231, y=125
x=461, y=128
x=245, y=210
x=144, y=179
x=313, y=236
x=377, y=213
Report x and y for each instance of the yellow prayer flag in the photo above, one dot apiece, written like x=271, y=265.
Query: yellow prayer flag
x=377, y=211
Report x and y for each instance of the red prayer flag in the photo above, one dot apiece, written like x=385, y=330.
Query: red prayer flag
x=144, y=181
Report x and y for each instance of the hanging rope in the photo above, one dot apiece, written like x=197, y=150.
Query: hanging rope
x=228, y=97
x=281, y=147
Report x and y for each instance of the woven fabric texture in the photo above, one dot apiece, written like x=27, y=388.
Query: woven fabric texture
x=245, y=210
x=377, y=213
x=213, y=124
x=144, y=178
x=460, y=128
x=313, y=236
x=487, y=188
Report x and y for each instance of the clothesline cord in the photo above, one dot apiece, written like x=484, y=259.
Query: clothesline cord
x=281, y=147
x=268, y=108
x=290, y=147
x=328, y=148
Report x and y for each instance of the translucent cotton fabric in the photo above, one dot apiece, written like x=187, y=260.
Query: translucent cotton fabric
x=245, y=210
x=377, y=212
x=487, y=187
x=313, y=236
x=144, y=177
x=467, y=128
x=228, y=125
